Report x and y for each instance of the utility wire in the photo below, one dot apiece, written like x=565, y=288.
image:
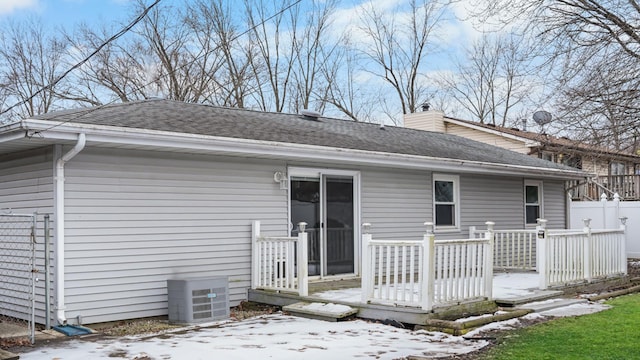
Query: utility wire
x=83, y=61
x=90, y=110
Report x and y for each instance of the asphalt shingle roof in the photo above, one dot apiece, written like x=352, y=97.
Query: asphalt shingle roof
x=180, y=117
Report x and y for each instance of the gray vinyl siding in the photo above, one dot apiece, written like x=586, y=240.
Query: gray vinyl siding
x=491, y=198
x=135, y=220
x=555, y=204
x=26, y=182
x=396, y=203
x=26, y=186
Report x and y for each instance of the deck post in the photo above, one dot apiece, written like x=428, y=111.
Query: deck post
x=472, y=232
x=367, y=275
x=541, y=253
x=428, y=268
x=587, y=251
x=623, y=246
x=303, y=260
x=255, y=254
x=488, y=261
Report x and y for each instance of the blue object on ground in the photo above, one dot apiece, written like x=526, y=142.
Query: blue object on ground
x=72, y=330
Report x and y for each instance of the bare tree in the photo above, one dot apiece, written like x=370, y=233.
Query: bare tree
x=224, y=58
x=490, y=81
x=178, y=60
x=591, y=48
x=273, y=63
x=30, y=60
x=117, y=72
x=344, y=92
x=398, y=46
x=313, y=48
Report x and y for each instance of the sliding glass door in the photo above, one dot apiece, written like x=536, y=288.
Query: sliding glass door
x=327, y=203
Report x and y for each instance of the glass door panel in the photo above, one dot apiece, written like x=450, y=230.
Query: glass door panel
x=305, y=206
x=338, y=224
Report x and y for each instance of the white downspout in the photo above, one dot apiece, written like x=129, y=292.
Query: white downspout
x=59, y=226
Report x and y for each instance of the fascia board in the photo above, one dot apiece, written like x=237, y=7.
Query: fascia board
x=153, y=138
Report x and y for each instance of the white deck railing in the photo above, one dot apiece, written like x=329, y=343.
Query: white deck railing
x=512, y=249
x=428, y=272
x=574, y=256
x=280, y=263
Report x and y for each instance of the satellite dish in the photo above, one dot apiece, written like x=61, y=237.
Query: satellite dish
x=542, y=117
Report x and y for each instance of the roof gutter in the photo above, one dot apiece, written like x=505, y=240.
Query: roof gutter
x=59, y=225
x=236, y=146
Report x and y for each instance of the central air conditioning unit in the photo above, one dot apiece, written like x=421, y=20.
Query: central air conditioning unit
x=198, y=300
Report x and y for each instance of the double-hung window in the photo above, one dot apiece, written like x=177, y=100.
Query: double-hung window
x=532, y=201
x=446, y=201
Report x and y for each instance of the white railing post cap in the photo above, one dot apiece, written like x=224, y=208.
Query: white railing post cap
x=603, y=197
x=302, y=226
x=490, y=224
x=366, y=227
x=623, y=220
x=429, y=226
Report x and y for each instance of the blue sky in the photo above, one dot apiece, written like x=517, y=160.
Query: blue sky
x=66, y=13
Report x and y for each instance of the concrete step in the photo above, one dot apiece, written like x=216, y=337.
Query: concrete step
x=550, y=304
x=320, y=311
x=537, y=295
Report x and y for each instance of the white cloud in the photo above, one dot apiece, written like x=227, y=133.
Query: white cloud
x=9, y=6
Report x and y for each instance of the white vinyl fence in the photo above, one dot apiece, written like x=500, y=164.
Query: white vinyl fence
x=428, y=272
x=605, y=214
x=280, y=263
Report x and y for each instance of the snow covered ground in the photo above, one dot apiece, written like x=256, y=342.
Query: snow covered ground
x=280, y=336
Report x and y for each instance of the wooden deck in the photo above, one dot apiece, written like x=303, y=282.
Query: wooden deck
x=408, y=315
x=415, y=315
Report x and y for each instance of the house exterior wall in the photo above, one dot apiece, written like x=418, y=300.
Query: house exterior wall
x=26, y=186
x=487, y=138
x=486, y=198
x=396, y=203
x=26, y=181
x=136, y=219
x=555, y=204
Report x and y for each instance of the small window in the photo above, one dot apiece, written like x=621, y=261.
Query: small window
x=617, y=168
x=532, y=202
x=548, y=156
x=445, y=201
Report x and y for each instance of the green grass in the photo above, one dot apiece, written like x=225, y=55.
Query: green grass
x=610, y=334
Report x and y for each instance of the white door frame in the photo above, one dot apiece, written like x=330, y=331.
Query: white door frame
x=319, y=173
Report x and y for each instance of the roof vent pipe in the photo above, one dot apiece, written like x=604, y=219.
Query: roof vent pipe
x=426, y=106
x=310, y=114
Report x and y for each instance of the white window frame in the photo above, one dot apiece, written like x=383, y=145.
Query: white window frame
x=538, y=184
x=456, y=202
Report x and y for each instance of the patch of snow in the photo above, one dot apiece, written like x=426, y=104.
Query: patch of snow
x=511, y=285
x=576, y=310
x=329, y=308
x=274, y=336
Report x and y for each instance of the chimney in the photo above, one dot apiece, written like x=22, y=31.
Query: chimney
x=428, y=120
